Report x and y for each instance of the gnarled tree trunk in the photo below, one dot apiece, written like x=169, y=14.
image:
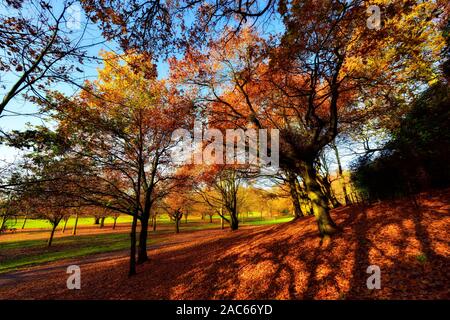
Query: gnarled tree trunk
x=318, y=199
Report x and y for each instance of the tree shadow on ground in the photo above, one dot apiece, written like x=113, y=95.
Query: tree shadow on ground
x=288, y=261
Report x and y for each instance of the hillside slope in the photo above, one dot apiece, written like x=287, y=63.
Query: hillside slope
x=410, y=245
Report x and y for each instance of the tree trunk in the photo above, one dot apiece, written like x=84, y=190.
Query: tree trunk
x=24, y=221
x=177, y=225
x=114, y=224
x=3, y=223
x=65, y=224
x=142, y=252
x=341, y=175
x=50, y=240
x=325, y=183
x=74, y=231
x=102, y=222
x=318, y=200
x=234, y=223
x=295, y=197
x=97, y=220
x=132, y=270
x=210, y=218
x=154, y=223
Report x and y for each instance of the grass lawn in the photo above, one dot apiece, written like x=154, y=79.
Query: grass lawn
x=253, y=219
x=266, y=221
x=44, y=224
x=17, y=254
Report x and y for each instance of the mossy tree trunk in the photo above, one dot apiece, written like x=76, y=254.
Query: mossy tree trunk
x=318, y=199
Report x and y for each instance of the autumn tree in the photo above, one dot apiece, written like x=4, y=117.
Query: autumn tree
x=326, y=66
x=49, y=192
x=219, y=188
x=122, y=136
x=8, y=208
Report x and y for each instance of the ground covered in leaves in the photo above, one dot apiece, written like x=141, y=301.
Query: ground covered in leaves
x=409, y=241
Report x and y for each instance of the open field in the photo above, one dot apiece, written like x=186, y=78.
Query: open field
x=284, y=261
x=44, y=224
x=28, y=246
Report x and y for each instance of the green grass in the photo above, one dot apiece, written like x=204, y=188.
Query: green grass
x=266, y=221
x=250, y=221
x=82, y=221
x=44, y=224
x=62, y=248
x=253, y=219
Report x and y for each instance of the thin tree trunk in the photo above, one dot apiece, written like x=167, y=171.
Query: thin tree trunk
x=50, y=240
x=114, y=224
x=97, y=220
x=24, y=222
x=318, y=200
x=177, y=225
x=154, y=223
x=325, y=183
x=3, y=223
x=102, y=222
x=65, y=224
x=74, y=231
x=210, y=218
x=132, y=270
x=341, y=175
x=295, y=197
